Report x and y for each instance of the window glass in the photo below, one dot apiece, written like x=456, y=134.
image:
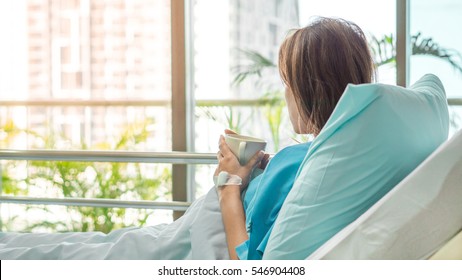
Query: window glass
x=435, y=27
x=65, y=50
x=376, y=18
x=63, y=65
x=232, y=37
x=227, y=35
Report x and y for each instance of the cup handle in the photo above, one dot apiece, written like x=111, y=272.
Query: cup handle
x=242, y=153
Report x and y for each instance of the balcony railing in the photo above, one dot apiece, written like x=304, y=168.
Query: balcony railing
x=455, y=101
x=105, y=156
x=112, y=203
x=129, y=102
x=149, y=103
x=110, y=156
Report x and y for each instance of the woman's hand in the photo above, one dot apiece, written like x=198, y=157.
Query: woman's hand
x=228, y=162
x=265, y=160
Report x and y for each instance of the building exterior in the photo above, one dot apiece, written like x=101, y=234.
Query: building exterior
x=259, y=26
x=97, y=50
x=120, y=49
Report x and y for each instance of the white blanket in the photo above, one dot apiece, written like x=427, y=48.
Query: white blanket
x=199, y=234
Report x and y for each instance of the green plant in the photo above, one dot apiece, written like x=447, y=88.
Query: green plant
x=258, y=63
x=273, y=111
x=233, y=118
x=272, y=101
x=226, y=115
x=108, y=180
x=384, y=50
x=9, y=184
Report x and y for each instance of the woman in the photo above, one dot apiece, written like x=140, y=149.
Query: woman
x=316, y=63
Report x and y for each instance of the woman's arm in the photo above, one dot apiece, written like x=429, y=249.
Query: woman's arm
x=233, y=216
x=231, y=206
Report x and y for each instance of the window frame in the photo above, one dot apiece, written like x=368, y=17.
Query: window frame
x=183, y=102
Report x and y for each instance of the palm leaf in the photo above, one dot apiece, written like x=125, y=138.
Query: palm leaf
x=426, y=46
x=257, y=63
x=384, y=50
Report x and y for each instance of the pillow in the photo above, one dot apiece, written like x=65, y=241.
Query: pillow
x=376, y=136
x=414, y=219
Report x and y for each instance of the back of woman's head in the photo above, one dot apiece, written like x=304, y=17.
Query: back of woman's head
x=318, y=61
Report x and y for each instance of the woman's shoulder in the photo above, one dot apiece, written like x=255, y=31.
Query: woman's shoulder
x=290, y=155
x=297, y=149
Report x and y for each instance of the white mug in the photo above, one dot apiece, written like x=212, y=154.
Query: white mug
x=244, y=147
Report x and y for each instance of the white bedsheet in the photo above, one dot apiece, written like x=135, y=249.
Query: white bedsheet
x=199, y=234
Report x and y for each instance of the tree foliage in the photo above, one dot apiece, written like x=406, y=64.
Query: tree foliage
x=107, y=180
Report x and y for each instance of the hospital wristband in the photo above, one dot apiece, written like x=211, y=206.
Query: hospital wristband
x=224, y=179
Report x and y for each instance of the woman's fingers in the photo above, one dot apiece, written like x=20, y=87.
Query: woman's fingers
x=229, y=131
x=256, y=159
x=219, y=155
x=224, y=148
x=264, y=161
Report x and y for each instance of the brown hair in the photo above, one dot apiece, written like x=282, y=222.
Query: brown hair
x=318, y=61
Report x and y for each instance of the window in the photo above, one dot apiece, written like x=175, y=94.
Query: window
x=225, y=34
x=229, y=52
x=163, y=76
x=85, y=75
x=376, y=18
x=435, y=39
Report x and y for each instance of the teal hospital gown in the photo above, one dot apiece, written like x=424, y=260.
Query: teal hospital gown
x=265, y=196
